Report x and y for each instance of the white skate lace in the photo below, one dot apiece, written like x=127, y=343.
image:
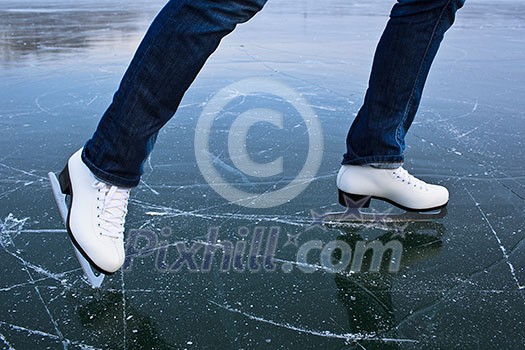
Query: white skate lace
x=410, y=180
x=113, y=207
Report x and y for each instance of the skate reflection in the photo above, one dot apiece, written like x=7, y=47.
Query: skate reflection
x=366, y=295
x=114, y=319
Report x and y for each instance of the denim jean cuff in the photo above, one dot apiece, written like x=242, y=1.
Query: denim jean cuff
x=107, y=177
x=393, y=165
x=394, y=159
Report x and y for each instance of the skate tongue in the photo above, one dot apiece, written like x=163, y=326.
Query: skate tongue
x=405, y=177
x=114, y=209
x=109, y=196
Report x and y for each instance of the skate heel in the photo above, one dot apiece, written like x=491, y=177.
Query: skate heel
x=64, y=181
x=354, y=200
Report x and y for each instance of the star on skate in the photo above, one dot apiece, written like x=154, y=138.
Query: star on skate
x=355, y=213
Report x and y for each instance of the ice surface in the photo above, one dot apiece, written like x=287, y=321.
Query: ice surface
x=461, y=279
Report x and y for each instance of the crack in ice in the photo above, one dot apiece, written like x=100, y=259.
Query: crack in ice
x=500, y=243
x=350, y=337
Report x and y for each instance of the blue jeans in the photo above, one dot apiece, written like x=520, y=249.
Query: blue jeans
x=187, y=32
x=402, y=61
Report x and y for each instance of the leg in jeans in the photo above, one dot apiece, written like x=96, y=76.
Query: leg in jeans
x=402, y=61
x=99, y=178
x=401, y=65
x=176, y=46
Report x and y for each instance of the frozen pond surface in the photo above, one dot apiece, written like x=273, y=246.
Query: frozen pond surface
x=459, y=282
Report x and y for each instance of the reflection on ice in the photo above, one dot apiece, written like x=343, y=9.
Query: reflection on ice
x=54, y=29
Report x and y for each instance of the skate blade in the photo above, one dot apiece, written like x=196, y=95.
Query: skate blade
x=95, y=280
x=356, y=215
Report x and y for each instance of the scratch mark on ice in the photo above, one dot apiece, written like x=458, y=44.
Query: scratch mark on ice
x=327, y=334
x=124, y=316
x=46, y=335
x=4, y=340
x=149, y=187
x=500, y=243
